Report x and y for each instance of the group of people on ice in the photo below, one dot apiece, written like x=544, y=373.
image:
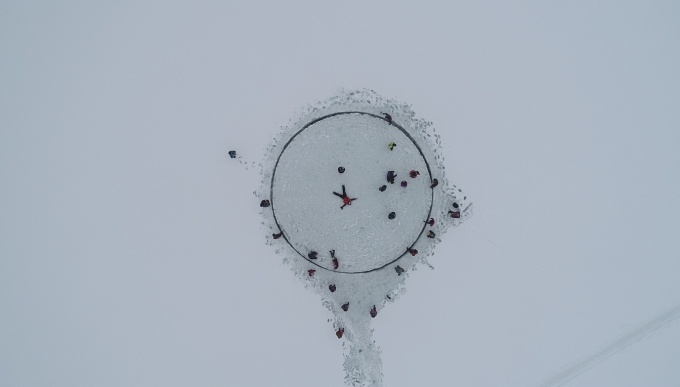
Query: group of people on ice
x=341, y=331
x=347, y=201
x=314, y=255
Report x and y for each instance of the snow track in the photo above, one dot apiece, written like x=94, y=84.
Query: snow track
x=601, y=355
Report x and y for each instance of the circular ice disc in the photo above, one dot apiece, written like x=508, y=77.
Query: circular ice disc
x=363, y=236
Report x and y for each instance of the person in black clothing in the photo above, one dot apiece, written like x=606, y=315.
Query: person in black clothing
x=345, y=306
x=390, y=177
x=232, y=154
x=264, y=203
x=435, y=182
x=313, y=255
x=412, y=251
x=341, y=169
x=391, y=215
x=454, y=214
x=399, y=270
x=430, y=234
x=382, y=188
x=332, y=288
x=277, y=236
x=455, y=205
x=374, y=312
x=388, y=118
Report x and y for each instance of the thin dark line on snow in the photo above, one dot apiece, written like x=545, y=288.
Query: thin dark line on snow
x=630, y=337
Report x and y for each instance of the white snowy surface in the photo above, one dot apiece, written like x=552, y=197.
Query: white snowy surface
x=299, y=178
x=131, y=249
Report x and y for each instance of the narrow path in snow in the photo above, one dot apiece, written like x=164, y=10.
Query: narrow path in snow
x=658, y=322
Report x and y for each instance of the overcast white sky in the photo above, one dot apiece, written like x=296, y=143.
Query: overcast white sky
x=130, y=246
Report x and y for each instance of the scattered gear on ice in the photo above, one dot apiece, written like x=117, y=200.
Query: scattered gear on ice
x=356, y=196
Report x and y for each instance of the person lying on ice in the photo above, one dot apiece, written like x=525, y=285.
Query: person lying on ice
x=345, y=199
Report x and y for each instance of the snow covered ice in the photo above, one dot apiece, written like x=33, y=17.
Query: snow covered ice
x=304, y=181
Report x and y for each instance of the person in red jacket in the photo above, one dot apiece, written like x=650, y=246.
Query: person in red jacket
x=311, y=272
x=345, y=199
x=340, y=332
x=430, y=222
x=412, y=251
x=413, y=173
x=454, y=214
